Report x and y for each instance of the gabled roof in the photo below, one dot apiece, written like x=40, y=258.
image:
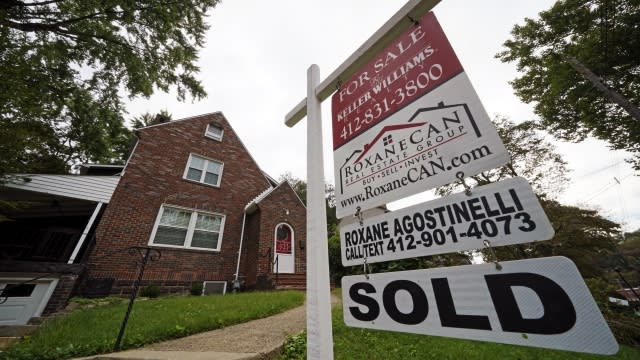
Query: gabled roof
x=173, y=122
x=268, y=178
x=91, y=188
x=252, y=205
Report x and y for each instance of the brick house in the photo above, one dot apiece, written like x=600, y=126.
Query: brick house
x=191, y=190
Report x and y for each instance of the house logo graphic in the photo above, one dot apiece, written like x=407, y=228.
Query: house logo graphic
x=399, y=148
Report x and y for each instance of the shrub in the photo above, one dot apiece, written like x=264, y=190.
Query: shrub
x=295, y=348
x=196, y=289
x=151, y=291
x=625, y=328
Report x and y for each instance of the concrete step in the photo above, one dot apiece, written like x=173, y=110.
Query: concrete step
x=12, y=333
x=16, y=330
x=5, y=341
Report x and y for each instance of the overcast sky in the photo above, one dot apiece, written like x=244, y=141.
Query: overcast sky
x=254, y=67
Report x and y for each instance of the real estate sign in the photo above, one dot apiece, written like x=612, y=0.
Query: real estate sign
x=408, y=121
x=505, y=213
x=535, y=302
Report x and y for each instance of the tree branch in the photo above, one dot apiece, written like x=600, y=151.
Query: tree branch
x=39, y=3
x=7, y=4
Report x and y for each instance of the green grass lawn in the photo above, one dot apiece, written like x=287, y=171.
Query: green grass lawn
x=93, y=331
x=354, y=343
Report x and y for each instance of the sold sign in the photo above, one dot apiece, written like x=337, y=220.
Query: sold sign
x=536, y=302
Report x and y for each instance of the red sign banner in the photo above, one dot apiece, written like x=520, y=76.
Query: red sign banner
x=418, y=61
x=283, y=240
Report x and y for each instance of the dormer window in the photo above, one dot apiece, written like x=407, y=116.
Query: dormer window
x=214, y=131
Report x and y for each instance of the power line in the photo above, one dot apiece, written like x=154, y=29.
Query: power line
x=582, y=177
x=607, y=187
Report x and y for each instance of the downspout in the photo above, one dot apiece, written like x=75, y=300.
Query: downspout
x=236, y=282
x=83, y=237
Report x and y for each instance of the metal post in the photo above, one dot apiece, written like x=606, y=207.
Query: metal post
x=629, y=285
x=145, y=258
x=277, y=268
x=319, y=331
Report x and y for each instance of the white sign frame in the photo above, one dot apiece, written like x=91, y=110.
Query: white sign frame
x=505, y=213
x=467, y=293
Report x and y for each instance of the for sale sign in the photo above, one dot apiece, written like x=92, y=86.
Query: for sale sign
x=407, y=122
x=536, y=302
x=505, y=213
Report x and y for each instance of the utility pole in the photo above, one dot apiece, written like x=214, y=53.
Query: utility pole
x=609, y=93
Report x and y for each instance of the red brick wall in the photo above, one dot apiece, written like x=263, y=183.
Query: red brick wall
x=272, y=210
x=154, y=176
x=60, y=297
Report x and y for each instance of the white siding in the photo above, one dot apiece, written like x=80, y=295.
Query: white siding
x=92, y=188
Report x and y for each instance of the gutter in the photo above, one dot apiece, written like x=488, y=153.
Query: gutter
x=236, y=282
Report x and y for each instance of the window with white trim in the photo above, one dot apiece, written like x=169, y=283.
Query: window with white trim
x=186, y=228
x=214, y=131
x=203, y=170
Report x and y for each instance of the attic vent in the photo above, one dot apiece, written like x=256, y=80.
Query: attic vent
x=214, y=131
x=214, y=287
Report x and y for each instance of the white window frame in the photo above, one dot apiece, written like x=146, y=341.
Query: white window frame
x=212, y=135
x=204, y=170
x=190, y=229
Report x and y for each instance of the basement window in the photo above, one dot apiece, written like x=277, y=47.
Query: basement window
x=187, y=228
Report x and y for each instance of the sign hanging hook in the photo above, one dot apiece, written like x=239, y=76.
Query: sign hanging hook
x=366, y=269
x=467, y=188
x=358, y=214
x=487, y=244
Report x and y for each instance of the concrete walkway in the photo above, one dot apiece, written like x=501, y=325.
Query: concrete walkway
x=257, y=339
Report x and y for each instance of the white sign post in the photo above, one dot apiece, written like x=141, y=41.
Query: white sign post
x=536, y=302
x=319, y=333
x=505, y=213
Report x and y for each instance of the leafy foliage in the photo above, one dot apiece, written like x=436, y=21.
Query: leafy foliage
x=151, y=291
x=532, y=157
x=355, y=343
x=580, y=234
x=295, y=347
x=300, y=187
x=65, y=65
x=604, y=36
x=148, y=119
x=196, y=288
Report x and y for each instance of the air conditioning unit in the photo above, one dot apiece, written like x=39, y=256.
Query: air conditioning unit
x=214, y=287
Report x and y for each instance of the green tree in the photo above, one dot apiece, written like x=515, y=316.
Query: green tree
x=300, y=187
x=553, y=54
x=580, y=234
x=532, y=157
x=626, y=259
x=66, y=63
x=148, y=119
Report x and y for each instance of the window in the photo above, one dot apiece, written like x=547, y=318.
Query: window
x=185, y=228
x=214, y=131
x=203, y=170
x=17, y=290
